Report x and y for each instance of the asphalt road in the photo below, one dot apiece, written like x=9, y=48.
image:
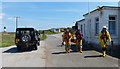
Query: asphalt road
x=13, y=58
x=56, y=56
x=51, y=54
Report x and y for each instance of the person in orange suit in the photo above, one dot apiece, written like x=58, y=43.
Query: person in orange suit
x=67, y=38
x=78, y=40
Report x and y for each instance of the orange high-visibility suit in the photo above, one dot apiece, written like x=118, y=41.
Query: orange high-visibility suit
x=78, y=41
x=67, y=38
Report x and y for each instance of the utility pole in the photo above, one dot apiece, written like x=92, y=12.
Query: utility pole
x=16, y=20
x=89, y=25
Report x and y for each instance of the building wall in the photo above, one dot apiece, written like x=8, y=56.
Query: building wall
x=83, y=27
x=55, y=30
x=89, y=22
x=90, y=27
x=106, y=19
x=119, y=23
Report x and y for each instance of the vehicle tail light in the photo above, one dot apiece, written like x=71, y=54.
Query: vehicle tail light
x=17, y=40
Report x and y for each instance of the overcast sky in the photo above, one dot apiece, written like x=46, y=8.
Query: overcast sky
x=46, y=15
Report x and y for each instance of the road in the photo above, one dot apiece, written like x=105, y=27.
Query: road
x=51, y=54
x=12, y=58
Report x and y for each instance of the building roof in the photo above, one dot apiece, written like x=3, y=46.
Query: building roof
x=80, y=20
x=101, y=8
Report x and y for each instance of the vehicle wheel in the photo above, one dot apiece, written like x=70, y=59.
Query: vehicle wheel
x=18, y=48
x=25, y=38
x=35, y=47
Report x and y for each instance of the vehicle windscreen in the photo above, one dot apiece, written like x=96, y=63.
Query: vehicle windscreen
x=19, y=32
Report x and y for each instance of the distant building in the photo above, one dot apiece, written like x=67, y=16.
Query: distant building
x=55, y=30
x=96, y=19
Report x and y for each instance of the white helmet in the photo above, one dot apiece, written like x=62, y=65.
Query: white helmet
x=105, y=27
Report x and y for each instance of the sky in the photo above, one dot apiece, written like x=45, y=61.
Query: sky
x=60, y=0
x=45, y=15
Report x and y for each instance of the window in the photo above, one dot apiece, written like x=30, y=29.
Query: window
x=112, y=22
x=25, y=32
x=96, y=25
x=81, y=28
x=17, y=32
x=84, y=29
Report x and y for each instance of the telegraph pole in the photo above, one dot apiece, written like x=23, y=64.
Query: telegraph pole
x=16, y=20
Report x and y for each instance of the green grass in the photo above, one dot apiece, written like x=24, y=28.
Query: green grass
x=43, y=37
x=48, y=32
x=8, y=40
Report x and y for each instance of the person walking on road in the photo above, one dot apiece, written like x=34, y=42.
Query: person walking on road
x=104, y=37
x=63, y=41
x=67, y=38
x=78, y=41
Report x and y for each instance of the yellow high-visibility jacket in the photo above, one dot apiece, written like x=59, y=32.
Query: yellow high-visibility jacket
x=67, y=41
x=77, y=41
x=104, y=41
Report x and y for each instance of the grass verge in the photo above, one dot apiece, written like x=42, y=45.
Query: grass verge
x=7, y=40
x=48, y=32
x=43, y=37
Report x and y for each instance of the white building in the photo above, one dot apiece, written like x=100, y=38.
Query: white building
x=96, y=19
x=55, y=30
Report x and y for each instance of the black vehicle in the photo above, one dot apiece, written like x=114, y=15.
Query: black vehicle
x=27, y=38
